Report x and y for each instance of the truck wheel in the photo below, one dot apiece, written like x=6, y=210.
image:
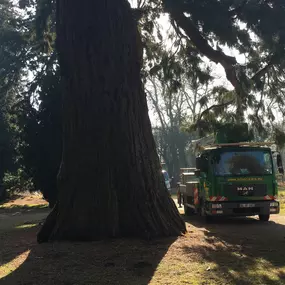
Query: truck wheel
x=202, y=212
x=264, y=218
x=188, y=211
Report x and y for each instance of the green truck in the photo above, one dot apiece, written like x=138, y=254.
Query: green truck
x=231, y=178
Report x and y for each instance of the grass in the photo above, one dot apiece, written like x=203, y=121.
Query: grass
x=229, y=252
x=23, y=207
x=26, y=226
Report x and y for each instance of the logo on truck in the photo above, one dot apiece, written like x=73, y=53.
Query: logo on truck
x=245, y=188
x=245, y=191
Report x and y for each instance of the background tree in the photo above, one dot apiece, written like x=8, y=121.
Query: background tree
x=30, y=83
x=180, y=88
x=40, y=134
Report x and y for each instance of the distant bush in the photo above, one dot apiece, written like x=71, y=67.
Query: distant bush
x=17, y=182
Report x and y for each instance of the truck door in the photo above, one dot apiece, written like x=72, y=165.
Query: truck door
x=278, y=165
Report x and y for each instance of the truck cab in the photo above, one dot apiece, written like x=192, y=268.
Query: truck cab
x=233, y=179
x=239, y=181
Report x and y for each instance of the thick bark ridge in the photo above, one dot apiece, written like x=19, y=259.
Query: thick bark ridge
x=110, y=182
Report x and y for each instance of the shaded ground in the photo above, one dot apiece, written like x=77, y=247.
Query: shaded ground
x=231, y=251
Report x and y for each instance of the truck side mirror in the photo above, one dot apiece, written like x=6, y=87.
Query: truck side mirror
x=197, y=172
x=279, y=164
x=202, y=164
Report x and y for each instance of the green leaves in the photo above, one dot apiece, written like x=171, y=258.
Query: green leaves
x=279, y=137
x=255, y=29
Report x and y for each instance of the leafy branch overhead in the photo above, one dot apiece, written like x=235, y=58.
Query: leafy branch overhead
x=254, y=29
x=212, y=29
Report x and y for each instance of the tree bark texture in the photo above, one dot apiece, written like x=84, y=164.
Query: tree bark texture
x=110, y=182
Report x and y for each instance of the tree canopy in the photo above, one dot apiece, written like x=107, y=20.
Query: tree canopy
x=255, y=29
x=244, y=37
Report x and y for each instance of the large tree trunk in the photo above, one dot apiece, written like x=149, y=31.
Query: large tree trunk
x=110, y=181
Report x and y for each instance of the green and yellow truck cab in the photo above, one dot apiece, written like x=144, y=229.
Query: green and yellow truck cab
x=232, y=179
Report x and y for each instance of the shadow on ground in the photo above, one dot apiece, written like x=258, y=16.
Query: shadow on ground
x=11, y=197
x=242, y=250
x=106, y=262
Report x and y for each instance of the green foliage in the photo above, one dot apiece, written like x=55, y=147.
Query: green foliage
x=17, y=181
x=29, y=86
x=254, y=29
x=279, y=137
x=7, y=153
x=40, y=135
x=172, y=145
x=233, y=133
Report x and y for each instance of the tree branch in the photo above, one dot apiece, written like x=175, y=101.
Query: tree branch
x=156, y=105
x=237, y=11
x=266, y=68
x=228, y=62
x=193, y=33
x=213, y=107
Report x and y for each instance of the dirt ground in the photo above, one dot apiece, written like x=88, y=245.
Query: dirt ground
x=230, y=251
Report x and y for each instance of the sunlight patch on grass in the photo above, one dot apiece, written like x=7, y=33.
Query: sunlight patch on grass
x=23, y=207
x=26, y=226
x=217, y=265
x=263, y=272
x=172, y=271
x=11, y=266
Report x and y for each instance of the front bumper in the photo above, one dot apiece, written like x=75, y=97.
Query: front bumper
x=244, y=208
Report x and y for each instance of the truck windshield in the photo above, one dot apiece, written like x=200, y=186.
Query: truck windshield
x=243, y=163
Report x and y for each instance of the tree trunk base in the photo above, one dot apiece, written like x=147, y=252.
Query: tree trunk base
x=48, y=226
x=157, y=223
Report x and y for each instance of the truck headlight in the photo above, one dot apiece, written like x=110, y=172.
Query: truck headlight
x=216, y=206
x=273, y=204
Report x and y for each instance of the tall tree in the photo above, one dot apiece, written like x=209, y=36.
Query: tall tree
x=29, y=87
x=110, y=181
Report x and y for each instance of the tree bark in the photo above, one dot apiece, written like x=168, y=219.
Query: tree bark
x=110, y=182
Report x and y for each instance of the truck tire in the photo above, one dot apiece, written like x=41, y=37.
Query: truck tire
x=188, y=211
x=264, y=218
x=208, y=219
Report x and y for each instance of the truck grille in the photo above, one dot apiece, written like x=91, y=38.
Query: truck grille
x=246, y=210
x=247, y=190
